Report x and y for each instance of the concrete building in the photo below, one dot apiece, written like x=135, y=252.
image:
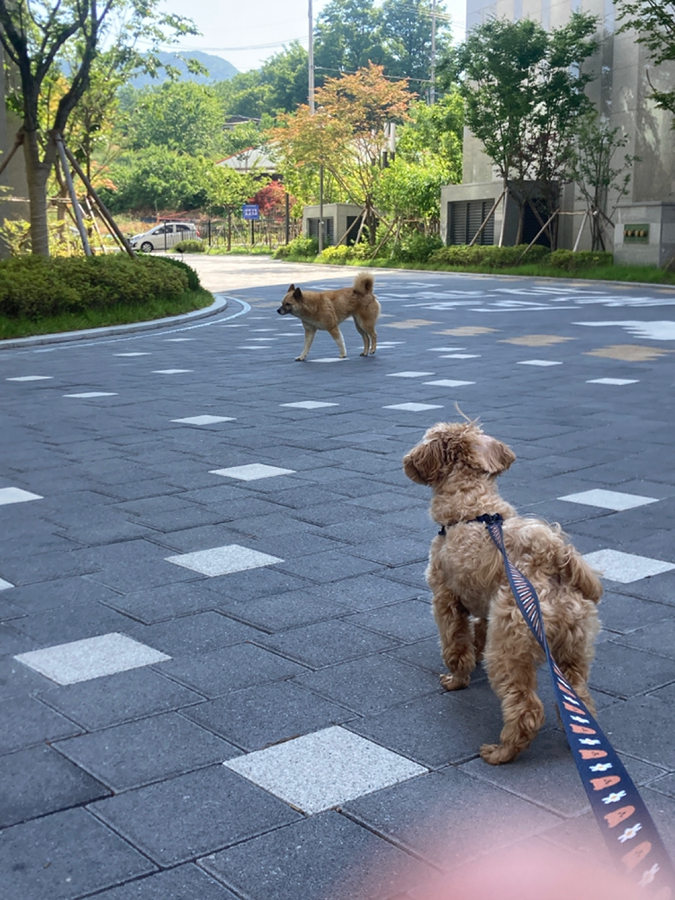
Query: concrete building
x=645, y=220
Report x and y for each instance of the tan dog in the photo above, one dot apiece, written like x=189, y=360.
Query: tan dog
x=328, y=309
x=472, y=603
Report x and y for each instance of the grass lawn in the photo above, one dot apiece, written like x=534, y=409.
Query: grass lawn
x=121, y=314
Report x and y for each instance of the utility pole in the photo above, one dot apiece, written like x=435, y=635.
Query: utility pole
x=311, y=110
x=432, y=88
x=311, y=58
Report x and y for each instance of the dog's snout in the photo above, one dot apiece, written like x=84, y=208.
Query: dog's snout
x=281, y=311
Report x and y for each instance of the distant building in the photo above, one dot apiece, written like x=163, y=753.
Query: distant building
x=252, y=161
x=621, y=92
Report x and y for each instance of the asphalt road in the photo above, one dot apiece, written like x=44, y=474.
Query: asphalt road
x=218, y=666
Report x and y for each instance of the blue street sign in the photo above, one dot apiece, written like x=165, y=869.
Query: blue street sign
x=250, y=211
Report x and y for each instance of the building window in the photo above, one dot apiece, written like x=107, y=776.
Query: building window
x=328, y=230
x=465, y=218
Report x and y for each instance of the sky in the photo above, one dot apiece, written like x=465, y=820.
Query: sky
x=247, y=32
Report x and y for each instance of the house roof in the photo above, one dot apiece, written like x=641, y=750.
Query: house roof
x=253, y=158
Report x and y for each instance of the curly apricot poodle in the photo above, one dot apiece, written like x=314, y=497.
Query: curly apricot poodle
x=474, y=608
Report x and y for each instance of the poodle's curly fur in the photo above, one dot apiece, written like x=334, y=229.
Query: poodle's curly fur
x=474, y=608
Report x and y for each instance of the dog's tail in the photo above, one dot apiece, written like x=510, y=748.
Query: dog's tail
x=576, y=572
x=363, y=283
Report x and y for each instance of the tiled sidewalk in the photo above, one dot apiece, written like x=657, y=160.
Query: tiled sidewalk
x=218, y=666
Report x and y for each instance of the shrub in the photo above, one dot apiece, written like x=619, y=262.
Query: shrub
x=488, y=256
x=337, y=255
x=34, y=287
x=299, y=248
x=193, y=279
x=572, y=262
x=190, y=246
x=416, y=247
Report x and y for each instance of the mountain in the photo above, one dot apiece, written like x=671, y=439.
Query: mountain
x=219, y=69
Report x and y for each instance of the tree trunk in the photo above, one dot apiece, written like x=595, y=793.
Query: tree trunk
x=37, y=173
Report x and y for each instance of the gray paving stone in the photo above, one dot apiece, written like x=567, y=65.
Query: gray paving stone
x=230, y=668
x=625, y=671
x=185, y=882
x=64, y=856
x=437, y=729
x=118, y=698
x=47, y=567
x=16, y=680
x=326, y=857
x=326, y=643
x=46, y=595
x=369, y=684
x=449, y=816
x=194, y=814
x=659, y=588
x=664, y=785
x=190, y=635
x=251, y=583
x=427, y=655
x=119, y=756
x=38, y=781
x=13, y=642
x=657, y=638
x=164, y=603
x=64, y=624
x=266, y=714
x=556, y=786
x=328, y=566
x=642, y=727
x=286, y=610
x=410, y=620
x=368, y=591
x=9, y=611
x=26, y=721
x=625, y=614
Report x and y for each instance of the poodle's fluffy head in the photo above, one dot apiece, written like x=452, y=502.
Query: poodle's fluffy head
x=453, y=447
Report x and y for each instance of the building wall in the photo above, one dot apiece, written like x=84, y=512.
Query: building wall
x=621, y=91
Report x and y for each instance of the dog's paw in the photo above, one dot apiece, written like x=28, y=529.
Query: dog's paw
x=299, y=358
x=496, y=754
x=453, y=683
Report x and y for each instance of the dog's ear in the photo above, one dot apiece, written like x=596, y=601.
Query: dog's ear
x=291, y=288
x=490, y=455
x=297, y=294
x=425, y=462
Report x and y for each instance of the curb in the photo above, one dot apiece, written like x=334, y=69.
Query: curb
x=218, y=305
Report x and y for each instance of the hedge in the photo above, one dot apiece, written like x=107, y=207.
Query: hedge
x=487, y=255
x=190, y=246
x=585, y=259
x=35, y=286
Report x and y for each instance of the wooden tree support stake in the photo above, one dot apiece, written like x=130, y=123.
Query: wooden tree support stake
x=97, y=200
x=73, y=196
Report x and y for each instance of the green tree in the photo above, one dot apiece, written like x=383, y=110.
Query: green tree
x=407, y=37
x=434, y=134
x=281, y=85
x=654, y=21
x=164, y=179
x=598, y=174
x=346, y=134
x=180, y=115
x=524, y=90
x=348, y=36
x=38, y=37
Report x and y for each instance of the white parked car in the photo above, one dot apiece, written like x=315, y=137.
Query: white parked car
x=164, y=236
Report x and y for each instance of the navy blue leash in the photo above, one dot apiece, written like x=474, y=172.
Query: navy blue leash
x=628, y=829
